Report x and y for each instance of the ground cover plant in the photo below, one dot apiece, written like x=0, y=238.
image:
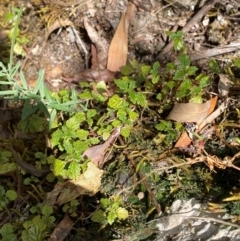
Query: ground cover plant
x=101, y=161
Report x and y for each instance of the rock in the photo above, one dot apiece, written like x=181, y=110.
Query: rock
x=189, y=220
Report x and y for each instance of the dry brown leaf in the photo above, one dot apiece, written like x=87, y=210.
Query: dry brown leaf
x=184, y=140
x=192, y=112
x=87, y=183
x=97, y=153
x=204, y=110
x=117, y=54
x=62, y=230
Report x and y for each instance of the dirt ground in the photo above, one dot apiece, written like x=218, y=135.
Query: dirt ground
x=60, y=41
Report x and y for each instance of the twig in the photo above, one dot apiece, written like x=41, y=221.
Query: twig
x=213, y=220
x=196, y=18
x=215, y=51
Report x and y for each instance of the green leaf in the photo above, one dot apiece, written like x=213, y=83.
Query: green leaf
x=67, y=144
x=86, y=95
x=138, y=98
x=56, y=137
x=91, y=113
x=122, y=213
x=134, y=63
x=191, y=70
x=214, y=66
x=33, y=124
x=7, y=168
x=115, y=102
x=23, y=80
x=98, y=96
x=116, y=123
x=51, y=120
x=236, y=62
x=11, y=195
x=125, y=84
x=47, y=210
x=184, y=60
x=82, y=134
x=133, y=116
x=99, y=216
x=72, y=123
x=6, y=229
x=125, y=131
x=9, y=92
x=74, y=170
x=105, y=203
x=40, y=82
x=177, y=38
x=80, y=117
x=180, y=74
x=28, y=109
x=155, y=72
x=2, y=191
x=196, y=99
x=111, y=217
x=122, y=115
x=101, y=86
x=163, y=125
x=145, y=70
x=126, y=70
x=7, y=233
x=80, y=146
x=58, y=167
x=184, y=88
x=32, y=234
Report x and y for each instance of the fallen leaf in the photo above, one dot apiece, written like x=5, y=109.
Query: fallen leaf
x=184, y=140
x=87, y=183
x=117, y=54
x=192, y=112
x=97, y=153
x=62, y=230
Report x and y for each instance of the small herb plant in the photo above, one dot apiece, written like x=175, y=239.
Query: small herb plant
x=75, y=121
x=110, y=211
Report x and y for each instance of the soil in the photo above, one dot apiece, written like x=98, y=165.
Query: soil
x=60, y=44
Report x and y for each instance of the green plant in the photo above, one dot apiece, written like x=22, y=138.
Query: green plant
x=110, y=211
x=37, y=228
x=7, y=233
x=6, y=197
